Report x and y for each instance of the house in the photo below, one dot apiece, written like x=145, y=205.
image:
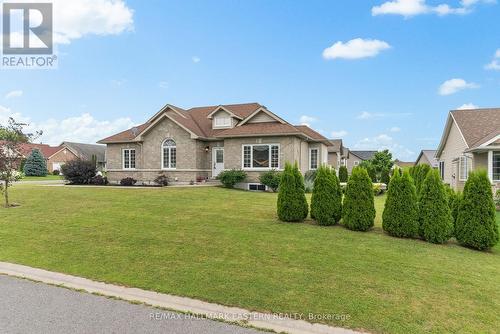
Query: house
x=356, y=157
x=427, y=157
x=337, y=153
x=403, y=164
x=199, y=143
x=68, y=151
x=25, y=150
x=470, y=141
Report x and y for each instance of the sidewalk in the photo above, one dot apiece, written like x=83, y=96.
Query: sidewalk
x=183, y=304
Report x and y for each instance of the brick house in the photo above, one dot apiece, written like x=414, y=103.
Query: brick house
x=199, y=143
x=68, y=151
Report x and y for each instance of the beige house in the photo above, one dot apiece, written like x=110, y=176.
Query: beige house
x=470, y=141
x=337, y=153
x=354, y=158
x=198, y=143
x=427, y=157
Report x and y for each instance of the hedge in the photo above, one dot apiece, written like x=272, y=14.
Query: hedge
x=476, y=226
x=400, y=216
x=435, y=222
x=358, y=210
x=229, y=178
x=343, y=175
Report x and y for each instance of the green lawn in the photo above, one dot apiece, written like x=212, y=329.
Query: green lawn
x=49, y=177
x=227, y=246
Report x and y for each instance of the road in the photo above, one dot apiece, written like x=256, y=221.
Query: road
x=30, y=307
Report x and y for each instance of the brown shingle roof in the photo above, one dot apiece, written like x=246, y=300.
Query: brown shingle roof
x=196, y=121
x=478, y=125
x=336, y=145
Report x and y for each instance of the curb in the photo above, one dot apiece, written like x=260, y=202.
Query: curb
x=182, y=304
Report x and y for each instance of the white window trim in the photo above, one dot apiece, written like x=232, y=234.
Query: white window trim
x=228, y=125
x=123, y=158
x=317, y=158
x=490, y=165
x=461, y=166
x=355, y=163
x=163, y=153
x=441, y=169
x=251, y=157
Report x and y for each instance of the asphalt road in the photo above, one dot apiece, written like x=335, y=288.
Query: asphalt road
x=30, y=307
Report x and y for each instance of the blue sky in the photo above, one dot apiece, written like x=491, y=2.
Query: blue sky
x=389, y=75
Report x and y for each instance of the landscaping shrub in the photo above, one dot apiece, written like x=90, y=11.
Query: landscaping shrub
x=229, y=178
x=337, y=213
x=384, y=176
x=343, y=175
x=454, y=200
x=35, y=164
x=162, y=180
x=128, y=182
x=301, y=190
x=290, y=206
x=56, y=172
x=419, y=173
x=358, y=210
x=435, y=222
x=271, y=179
x=98, y=180
x=378, y=189
x=476, y=226
x=400, y=216
x=325, y=198
x=78, y=171
x=497, y=199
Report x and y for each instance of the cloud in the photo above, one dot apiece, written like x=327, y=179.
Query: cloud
x=195, y=59
x=495, y=63
x=118, y=82
x=365, y=115
x=467, y=106
x=395, y=129
x=355, y=49
x=163, y=84
x=409, y=8
x=382, y=142
x=78, y=18
x=339, y=134
x=13, y=94
x=455, y=85
x=83, y=128
x=307, y=120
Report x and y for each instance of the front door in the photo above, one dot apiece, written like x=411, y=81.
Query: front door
x=218, y=161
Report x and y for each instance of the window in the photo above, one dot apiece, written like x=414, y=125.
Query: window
x=496, y=166
x=261, y=156
x=256, y=187
x=441, y=169
x=356, y=163
x=222, y=121
x=169, y=154
x=129, y=158
x=463, y=168
x=313, y=158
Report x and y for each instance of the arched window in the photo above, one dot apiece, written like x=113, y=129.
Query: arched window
x=169, y=154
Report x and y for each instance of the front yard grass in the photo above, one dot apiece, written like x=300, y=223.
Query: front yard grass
x=49, y=177
x=227, y=246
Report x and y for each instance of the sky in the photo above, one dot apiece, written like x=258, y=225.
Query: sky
x=378, y=74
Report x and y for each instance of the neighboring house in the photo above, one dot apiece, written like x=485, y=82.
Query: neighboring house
x=25, y=150
x=68, y=151
x=199, y=143
x=470, y=141
x=427, y=157
x=336, y=153
x=403, y=164
x=356, y=157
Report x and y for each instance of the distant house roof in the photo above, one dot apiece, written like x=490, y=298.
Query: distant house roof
x=86, y=151
x=46, y=150
x=400, y=163
x=198, y=122
x=478, y=125
x=336, y=145
x=363, y=155
x=430, y=155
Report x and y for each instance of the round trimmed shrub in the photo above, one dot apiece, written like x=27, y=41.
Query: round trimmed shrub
x=78, y=171
x=229, y=178
x=476, y=226
x=343, y=175
x=271, y=179
x=35, y=164
x=290, y=206
x=358, y=210
x=400, y=216
x=323, y=206
x=435, y=222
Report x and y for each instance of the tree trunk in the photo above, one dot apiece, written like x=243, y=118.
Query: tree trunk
x=6, y=194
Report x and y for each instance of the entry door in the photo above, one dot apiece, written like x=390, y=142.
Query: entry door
x=218, y=161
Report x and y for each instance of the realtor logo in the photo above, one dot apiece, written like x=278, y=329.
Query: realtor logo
x=27, y=31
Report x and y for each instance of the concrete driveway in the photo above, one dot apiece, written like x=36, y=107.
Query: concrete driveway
x=30, y=307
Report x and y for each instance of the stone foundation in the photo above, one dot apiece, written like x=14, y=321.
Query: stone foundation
x=148, y=177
